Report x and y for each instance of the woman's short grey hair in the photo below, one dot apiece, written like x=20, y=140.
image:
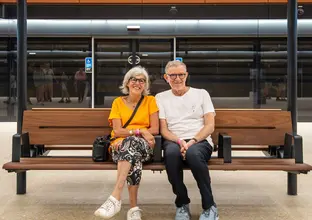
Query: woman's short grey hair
x=133, y=72
x=174, y=63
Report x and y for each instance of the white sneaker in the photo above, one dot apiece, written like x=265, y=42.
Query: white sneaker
x=109, y=208
x=134, y=214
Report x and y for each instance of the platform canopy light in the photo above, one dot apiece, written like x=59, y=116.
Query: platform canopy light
x=133, y=27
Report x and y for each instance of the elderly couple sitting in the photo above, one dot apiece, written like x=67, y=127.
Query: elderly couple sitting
x=185, y=118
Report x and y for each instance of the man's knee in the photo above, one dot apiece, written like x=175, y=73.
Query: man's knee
x=193, y=154
x=172, y=150
x=195, y=157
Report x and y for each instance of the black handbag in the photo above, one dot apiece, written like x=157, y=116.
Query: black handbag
x=101, y=144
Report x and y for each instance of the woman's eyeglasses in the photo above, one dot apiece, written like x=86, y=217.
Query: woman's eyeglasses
x=174, y=76
x=134, y=80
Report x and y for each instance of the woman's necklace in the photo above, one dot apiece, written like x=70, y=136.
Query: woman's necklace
x=130, y=103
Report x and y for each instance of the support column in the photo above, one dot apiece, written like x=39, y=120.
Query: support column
x=21, y=85
x=21, y=61
x=292, y=80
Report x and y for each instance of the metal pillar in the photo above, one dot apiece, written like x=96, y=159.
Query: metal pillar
x=21, y=83
x=134, y=51
x=292, y=79
x=21, y=61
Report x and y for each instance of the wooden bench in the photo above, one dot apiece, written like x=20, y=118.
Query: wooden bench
x=46, y=130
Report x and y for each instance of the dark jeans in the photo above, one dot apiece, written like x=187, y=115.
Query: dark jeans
x=197, y=157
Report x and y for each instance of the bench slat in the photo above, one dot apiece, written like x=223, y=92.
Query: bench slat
x=110, y=166
x=34, y=119
x=213, y=161
x=77, y=147
x=253, y=136
x=66, y=136
x=251, y=118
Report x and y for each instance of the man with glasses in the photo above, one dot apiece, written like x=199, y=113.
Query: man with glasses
x=186, y=123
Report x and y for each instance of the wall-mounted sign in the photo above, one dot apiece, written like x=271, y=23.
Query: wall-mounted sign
x=88, y=64
x=179, y=59
x=137, y=60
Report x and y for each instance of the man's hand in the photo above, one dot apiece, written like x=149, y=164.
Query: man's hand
x=185, y=146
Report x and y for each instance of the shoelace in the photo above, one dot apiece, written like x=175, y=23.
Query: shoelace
x=108, y=205
x=207, y=212
x=183, y=209
x=136, y=215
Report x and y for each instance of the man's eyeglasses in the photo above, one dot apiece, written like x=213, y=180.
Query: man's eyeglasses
x=174, y=76
x=134, y=80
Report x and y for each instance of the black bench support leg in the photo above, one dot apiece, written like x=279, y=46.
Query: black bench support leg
x=16, y=155
x=291, y=184
x=293, y=149
x=21, y=183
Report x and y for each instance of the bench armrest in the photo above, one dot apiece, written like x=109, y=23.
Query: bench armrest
x=158, y=149
x=225, y=147
x=293, y=147
x=19, y=141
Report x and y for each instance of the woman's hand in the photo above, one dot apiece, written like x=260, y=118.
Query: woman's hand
x=116, y=145
x=148, y=137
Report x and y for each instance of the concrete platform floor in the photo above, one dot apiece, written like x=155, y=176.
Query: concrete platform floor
x=77, y=194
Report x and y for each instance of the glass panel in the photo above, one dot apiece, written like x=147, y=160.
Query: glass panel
x=274, y=65
x=305, y=80
x=55, y=73
x=111, y=63
x=7, y=82
x=274, y=62
x=222, y=67
x=154, y=55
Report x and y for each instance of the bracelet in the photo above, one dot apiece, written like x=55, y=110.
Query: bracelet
x=137, y=132
x=131, y=132
x=179, y=141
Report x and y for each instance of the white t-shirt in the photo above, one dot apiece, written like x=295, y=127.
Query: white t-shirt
x=185, y=114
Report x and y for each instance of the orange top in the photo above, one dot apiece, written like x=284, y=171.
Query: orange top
x=142, y=116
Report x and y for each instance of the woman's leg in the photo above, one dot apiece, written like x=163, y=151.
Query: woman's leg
x=130, y=157
x=144, y=153
x=133, y=180
x=125, y=157
x=133, y=195
x=123, y=170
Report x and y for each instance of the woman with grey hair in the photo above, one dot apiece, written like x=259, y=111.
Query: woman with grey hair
x=134, y=144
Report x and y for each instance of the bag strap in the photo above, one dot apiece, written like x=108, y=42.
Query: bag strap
x=134, y=111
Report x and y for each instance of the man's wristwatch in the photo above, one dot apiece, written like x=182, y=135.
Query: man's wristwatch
x=195, y=140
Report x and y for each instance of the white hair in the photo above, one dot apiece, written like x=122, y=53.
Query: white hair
x=133, y=72
x=174, y=63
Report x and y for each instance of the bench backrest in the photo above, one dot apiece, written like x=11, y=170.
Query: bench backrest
x=81, y=126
